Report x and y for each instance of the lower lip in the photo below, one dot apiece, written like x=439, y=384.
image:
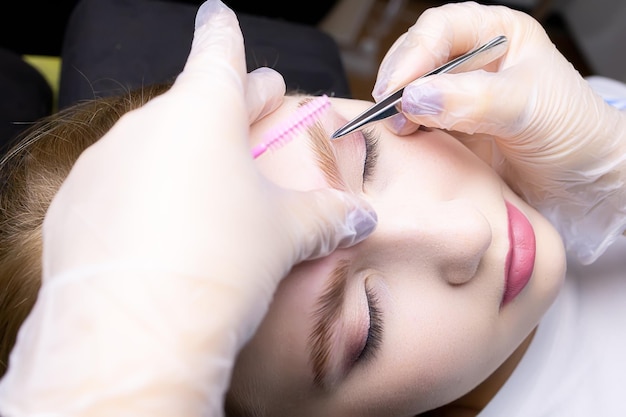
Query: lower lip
x=521, y=257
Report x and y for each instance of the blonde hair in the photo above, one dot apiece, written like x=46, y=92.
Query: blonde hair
x=30, y=175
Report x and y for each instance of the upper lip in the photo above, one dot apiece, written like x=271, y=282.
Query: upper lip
x=519, y=260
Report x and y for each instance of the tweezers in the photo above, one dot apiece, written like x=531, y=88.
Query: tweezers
x=388, y=106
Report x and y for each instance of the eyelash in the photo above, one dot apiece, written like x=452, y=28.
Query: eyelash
x=371, y=154
x=375, y=331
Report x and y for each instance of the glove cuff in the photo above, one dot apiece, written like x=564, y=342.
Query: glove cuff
x=612, y=91
x=590, y=213
x=111, y=340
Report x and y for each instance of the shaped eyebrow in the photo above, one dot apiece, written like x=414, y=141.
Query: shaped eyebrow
x=326, y=313
x=325, y=157
x=322, y=148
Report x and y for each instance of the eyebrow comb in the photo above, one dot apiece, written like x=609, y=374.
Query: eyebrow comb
x=284, y=133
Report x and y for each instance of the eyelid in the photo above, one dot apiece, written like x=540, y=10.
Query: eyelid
x=375, y=331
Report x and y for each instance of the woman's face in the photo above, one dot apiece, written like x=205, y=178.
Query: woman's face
x=456, y=275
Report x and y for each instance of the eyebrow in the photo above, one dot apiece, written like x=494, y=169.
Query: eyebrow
x=326, y=313
x=323, y=151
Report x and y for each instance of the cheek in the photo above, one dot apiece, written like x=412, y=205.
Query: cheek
x=440, y=342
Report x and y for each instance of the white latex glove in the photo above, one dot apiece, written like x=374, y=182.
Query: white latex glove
x=558, y=143
x=164, y=246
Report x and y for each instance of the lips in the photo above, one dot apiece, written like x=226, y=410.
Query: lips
x=520, y=260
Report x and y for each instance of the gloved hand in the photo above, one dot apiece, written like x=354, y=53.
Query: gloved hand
x=160, y=261
x=557, y=142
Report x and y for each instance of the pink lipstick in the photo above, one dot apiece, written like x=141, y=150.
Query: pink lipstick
x=520, y=260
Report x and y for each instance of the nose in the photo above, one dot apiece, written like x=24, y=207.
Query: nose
x=450, y=237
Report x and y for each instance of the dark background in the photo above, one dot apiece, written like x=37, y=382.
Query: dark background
x=37, y=27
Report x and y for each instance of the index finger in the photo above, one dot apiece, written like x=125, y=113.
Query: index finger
x=210, y=91
x=442, y=33
x=217, y=50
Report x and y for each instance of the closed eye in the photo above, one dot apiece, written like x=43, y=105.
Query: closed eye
x=375, y=331
x=371, y=154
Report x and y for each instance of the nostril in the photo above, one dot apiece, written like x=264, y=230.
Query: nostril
x=461, y=271
x=449, y=238
x=468, y=236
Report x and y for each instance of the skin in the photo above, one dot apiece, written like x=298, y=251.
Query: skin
x=435, y=266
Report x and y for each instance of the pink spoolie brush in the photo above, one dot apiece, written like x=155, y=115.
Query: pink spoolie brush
x=304, y=117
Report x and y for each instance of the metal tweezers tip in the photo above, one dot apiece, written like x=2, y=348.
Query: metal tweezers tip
x=339, y=133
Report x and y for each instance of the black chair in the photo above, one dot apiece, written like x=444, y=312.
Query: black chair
x=113, y=45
